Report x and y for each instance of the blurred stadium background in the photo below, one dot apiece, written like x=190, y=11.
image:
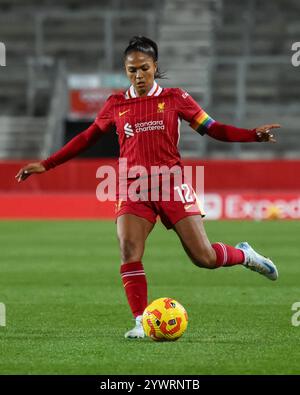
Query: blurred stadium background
x=63, y=58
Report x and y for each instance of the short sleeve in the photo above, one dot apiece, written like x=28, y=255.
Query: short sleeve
x=190, y=111
x=105, y=118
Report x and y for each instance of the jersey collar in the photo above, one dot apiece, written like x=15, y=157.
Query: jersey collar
x=154, y=91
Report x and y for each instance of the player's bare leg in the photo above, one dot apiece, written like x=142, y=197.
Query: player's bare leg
x=195, y=241
x=132, y=234
x=211, y=256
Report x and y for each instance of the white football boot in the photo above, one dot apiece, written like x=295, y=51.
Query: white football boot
x=257, y=262
x=137, y=332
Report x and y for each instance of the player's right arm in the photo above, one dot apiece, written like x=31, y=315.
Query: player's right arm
x=74, y=147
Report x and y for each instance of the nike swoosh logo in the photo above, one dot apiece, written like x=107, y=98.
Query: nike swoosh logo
x=269, y=267
x=122, y=113
x=188, y=206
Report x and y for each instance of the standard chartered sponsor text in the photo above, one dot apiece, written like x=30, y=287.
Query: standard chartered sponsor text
x=149, y=126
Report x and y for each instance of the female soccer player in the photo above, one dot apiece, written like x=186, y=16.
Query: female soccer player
x=147, y=119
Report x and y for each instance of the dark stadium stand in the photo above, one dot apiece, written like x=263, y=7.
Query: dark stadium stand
x=258, y=35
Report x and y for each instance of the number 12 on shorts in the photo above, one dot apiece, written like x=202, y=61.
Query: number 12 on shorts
x=185, y=193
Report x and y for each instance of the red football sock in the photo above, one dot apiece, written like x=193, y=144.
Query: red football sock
x=228, y=255
x=135, y=285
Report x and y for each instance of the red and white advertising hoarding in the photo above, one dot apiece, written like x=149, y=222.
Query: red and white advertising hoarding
x=257, y=206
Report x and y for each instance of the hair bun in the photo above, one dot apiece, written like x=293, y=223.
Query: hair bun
x=136, y=41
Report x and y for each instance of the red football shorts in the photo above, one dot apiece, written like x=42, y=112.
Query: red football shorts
x=182, y=202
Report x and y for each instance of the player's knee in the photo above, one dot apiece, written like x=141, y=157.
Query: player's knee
x=129, y=250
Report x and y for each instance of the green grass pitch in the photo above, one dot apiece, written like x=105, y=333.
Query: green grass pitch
x=66, y=312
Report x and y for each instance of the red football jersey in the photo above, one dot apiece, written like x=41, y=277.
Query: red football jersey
x=148, y=127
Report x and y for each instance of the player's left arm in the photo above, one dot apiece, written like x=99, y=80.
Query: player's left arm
x=229, y=133
x=202, y=123
x=264, y=132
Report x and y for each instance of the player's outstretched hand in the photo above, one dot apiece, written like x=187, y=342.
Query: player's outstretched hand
x=29, y=169
x=264, y=133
